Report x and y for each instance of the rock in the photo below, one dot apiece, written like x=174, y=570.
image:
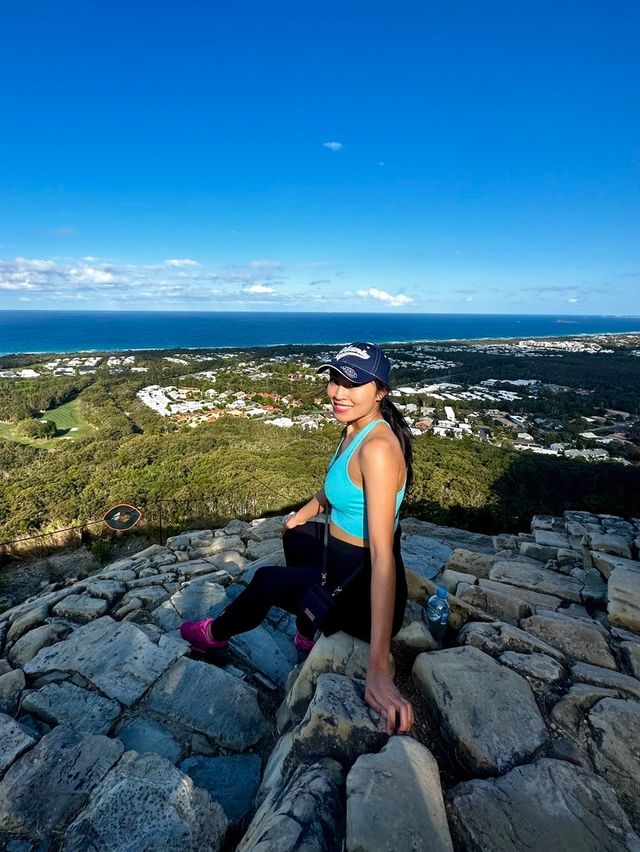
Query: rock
x=82, y=608
x=491, y=719
x=259, y=650
x=624, y=599
x=265, y=548
x=424, y=557
x=11, y=685
x=615, y=749
x=13, y=741
x=415, y=638
x=209, y=701
x=189, y=539
x=116, y=657
x=230, y=561
x=307, y=813
x=496, y=604
x=200, y=598
x=46, y=787
x=616, y=545
x=537, y=551
x=237, y=527
x=110, y=590
x=339, y=653
x=216, y=545
x=537, y=667
x=605, y=563
x=145, y=735
x=29, y=645
x=452, y=579
x=448, y=535
x=154, y=551
x=496, y=637
x=79, y=709
x=631, y=657
x=231, y=781
x=338, y=723
x=469, y=562
x=273, y=775
x=548, y=805
x=148, y=595
x=568, y=715
x=27, y=622
x=534, y=599
x=537, y=580
x=163, y=811
x=573, y=636
x=585, y=673
x=143, y=582
x=550, y=539
x=394, y=801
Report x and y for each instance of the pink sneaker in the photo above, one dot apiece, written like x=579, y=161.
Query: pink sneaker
x=198, y=635
x=302, y=643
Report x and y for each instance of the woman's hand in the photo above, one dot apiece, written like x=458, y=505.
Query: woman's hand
x=383, y=695
x=292, y=520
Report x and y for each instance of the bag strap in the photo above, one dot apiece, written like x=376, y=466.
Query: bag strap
x=325, y=555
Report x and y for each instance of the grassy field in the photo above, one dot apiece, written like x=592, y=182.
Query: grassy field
x=69, y=424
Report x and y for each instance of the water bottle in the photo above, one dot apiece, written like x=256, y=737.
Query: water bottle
x=438, y=613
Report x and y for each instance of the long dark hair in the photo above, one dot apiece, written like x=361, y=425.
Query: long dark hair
x=400, y=429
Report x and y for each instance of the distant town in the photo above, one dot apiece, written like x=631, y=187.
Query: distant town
x=524, y=412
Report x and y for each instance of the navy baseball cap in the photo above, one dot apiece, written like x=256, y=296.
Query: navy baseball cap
x=360, y=363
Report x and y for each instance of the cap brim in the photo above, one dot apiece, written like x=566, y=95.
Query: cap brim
x=363, y=377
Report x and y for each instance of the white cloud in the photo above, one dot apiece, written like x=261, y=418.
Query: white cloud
x=265, y=264
x=93, y=275
x=181, y=262
x=383, y=296
x=259, y=288
x=333, y=146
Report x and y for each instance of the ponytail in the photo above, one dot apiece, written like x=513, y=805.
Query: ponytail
x=400, y=429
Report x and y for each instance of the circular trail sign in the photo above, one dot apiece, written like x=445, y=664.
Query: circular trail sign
x=122, y=517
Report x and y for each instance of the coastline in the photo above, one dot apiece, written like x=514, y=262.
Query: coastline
x=234, y=325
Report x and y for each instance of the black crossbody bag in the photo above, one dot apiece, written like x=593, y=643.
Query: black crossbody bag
x=318, y=602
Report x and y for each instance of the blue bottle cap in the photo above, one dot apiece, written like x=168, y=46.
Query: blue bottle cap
x=441, y=592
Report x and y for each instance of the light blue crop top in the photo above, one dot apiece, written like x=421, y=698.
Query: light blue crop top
x=348, y=502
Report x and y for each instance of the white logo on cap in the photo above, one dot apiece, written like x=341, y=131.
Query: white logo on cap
x=352, y=350
x=349, y=371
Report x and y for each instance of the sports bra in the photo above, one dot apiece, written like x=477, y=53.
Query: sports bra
x=348, y=502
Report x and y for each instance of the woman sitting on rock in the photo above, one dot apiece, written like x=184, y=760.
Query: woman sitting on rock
x=363, y=490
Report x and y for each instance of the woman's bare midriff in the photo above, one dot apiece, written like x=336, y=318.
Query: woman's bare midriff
x=336, y=532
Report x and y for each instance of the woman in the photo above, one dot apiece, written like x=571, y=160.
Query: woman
x=363, y=489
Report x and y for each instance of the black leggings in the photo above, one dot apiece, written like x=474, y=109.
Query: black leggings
x=274, y=585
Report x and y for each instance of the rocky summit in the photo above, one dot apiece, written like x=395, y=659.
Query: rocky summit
x=113, y=736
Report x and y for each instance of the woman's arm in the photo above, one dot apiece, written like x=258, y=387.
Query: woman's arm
x=379, y=464
x=315, y=506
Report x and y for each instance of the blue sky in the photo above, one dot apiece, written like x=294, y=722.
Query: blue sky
x=359, y=156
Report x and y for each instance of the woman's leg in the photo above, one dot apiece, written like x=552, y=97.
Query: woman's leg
x=303, y=545
x=272, y=585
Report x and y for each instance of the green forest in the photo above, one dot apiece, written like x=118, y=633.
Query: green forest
x=121, y=451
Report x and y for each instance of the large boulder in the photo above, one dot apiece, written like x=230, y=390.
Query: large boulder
x=48, y=785
x=547, y=806
x=470, y=562
x=232, y=781
x=541, y=579
x=615, y=749
x=498, y=605
x=338, y=723
x=496, y=637
x=146, y=804
x=624, y=599
x=339, y=653
x=116, y=657
x=486, y=712
x=394, y=801
x=208, y=700
x=29, y=645
x=575, y=637
x=305, y=813
x=67, y=704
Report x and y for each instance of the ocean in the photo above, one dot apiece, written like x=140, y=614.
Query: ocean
x=75, y=331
